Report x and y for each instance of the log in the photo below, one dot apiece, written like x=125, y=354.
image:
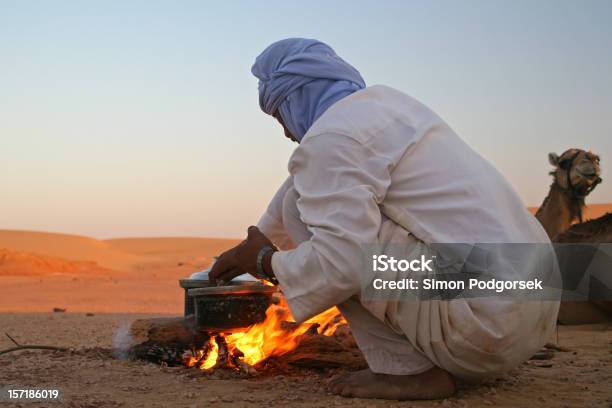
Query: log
x=345, y=337
x=318, y=351
x=164, y=331
x=163, y=340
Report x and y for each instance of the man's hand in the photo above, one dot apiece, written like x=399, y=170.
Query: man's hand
x=225, y=267
x=240, y=259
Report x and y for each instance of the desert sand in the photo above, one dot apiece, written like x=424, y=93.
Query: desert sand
x=106, y=284
x=591, y=210
x=91, y=376
x=40, y=271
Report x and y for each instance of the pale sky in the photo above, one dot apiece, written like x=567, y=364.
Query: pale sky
x=140, y=118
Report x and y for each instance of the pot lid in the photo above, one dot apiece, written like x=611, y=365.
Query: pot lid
x=203, y=275
x=233, y=289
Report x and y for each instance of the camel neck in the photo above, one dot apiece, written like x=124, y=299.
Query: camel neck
x=559, y=210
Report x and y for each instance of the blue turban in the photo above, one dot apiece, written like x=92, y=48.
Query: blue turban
x=301, y=78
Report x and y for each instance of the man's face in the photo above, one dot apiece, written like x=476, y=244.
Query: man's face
x=288, y=134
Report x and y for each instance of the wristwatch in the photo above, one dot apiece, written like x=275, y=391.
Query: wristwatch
x=261, y=273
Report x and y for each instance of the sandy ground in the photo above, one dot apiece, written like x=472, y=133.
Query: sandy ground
x=155, y=293
x=581, y=377
x=42, y=271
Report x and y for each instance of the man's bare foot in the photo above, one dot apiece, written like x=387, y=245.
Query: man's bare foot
x=432, y=384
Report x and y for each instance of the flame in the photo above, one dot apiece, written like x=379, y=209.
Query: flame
x=278, y=334
x=211, y=357
x=205, y=358
x=328, y=321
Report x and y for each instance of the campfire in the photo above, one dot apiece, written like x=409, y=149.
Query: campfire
x=321, y=342
x=277, y=335
x=243, y=327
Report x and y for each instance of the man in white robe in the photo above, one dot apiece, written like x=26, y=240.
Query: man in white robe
x=375, y=166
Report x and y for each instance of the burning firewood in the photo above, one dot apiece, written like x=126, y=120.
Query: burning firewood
x=313, y=344
x=241, y=365
x=164, y=331
x=223, y=356
x=163, y=340
x=319, y=351
x=246, y=368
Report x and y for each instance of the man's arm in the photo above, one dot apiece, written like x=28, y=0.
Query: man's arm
x=271, y=221
x=340, y=183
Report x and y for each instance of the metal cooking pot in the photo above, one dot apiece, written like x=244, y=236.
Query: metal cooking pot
x=237, y=304
x=232, y=306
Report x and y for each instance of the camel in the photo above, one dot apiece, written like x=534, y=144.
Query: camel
x=576, y=174
x=595, y=231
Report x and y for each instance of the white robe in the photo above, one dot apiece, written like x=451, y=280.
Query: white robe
x=380, y=167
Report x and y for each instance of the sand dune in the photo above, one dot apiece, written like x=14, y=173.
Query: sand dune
x=591, y=211
x=71, y=247
x=126, y=254
x=30, y=264
x=33, y=253
x=174, y=250
x=596, y=210
x=38, y=269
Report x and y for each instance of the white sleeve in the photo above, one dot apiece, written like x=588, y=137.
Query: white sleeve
x=271, y=221
x=340, y=183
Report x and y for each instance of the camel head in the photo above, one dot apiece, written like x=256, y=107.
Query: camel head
x=576, y=171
